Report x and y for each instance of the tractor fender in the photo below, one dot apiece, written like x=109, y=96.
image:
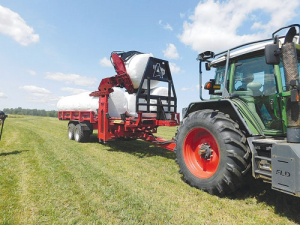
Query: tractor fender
x=224, y=105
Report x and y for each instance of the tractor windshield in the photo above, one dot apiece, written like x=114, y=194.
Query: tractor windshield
x=254, y=82
x=219, y=77
x=220, y=72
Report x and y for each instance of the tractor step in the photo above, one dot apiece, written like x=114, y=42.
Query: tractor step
x=261, y=148
x=264, y=158
x=269, y=141
x=265, y=173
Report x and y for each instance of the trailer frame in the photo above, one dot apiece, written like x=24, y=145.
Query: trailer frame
x=127, y=127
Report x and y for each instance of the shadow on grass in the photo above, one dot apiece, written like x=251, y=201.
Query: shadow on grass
x=12, y=153
x=138, y=148
x=284, y=205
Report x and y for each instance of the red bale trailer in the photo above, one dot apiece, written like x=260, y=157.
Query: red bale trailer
x=82, y=123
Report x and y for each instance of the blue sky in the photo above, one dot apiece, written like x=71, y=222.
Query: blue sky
x=50, y=49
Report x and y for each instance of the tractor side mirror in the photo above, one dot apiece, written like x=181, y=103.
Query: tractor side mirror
x=211, y=86
x=207, y=66
x=272, y=53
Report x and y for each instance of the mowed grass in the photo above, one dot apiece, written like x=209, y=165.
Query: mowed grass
x=47, y=179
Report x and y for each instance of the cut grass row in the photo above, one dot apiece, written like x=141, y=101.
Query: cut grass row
x=47, y=179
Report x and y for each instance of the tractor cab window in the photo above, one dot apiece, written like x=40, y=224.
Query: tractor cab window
x=219, y=77
x=255, y=77
x=254, y=82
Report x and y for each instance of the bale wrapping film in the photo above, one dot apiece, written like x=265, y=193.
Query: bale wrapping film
x=131, y=108
x=160, y=91
x=117, y=103
x=135, y=68
x=80, y=102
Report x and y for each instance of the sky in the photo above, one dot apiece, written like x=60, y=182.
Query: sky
x=50, y=49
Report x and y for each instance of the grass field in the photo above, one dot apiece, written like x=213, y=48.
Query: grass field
x=47, y=179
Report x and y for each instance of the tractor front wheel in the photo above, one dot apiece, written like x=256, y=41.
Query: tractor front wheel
x=211, y=152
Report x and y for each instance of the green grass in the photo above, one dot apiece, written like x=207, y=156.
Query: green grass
x=47, y=179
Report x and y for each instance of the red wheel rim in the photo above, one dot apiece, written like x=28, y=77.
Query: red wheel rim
x=198, y=166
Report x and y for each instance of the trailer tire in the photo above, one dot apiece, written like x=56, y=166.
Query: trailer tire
x=80, y=134
x=212, y=152
x=71, y=131
x=91, y=128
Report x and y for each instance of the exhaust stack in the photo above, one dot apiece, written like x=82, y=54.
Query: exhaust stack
x=290, y=62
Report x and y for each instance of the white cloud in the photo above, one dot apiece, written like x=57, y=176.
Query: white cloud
x=2, y=95
x=35, y=90
x=71, y=78
x=165, y=26
x=73, y=91
x=220, y=32
x=31, y=72
x=171, y=52
x=174, y=68
x=39, y=94
x=192, y=88
x=105, y=62
x=185, y=89
x=47, y=99
x=13, y=25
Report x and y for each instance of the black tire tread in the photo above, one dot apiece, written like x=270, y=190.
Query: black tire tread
x=237, y=152
x=82, y=134
x=71, y=126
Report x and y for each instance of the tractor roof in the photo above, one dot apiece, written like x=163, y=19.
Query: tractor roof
x=245, y=49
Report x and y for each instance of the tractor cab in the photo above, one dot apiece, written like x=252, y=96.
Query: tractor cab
x=242, y=75
x=252, y=82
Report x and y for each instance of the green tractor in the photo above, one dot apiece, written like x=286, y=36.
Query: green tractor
x=251, y=121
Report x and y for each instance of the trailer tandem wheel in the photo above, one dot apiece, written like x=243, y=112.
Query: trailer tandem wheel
x=81, y=134
x=212, y=152
x=71, y=131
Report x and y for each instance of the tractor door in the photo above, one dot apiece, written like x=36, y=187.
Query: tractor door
x=254, y=82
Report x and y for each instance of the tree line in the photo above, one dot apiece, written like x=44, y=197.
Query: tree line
x=32, y=112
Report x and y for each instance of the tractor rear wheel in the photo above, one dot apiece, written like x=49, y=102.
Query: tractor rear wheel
x=71, y=130
x=211, y=152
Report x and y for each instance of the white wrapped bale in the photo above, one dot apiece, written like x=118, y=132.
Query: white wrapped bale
x=117, y=103
x=135, y=68
x=80, y=102
x=131, y=99
x=131, y=108
x=160, y=91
